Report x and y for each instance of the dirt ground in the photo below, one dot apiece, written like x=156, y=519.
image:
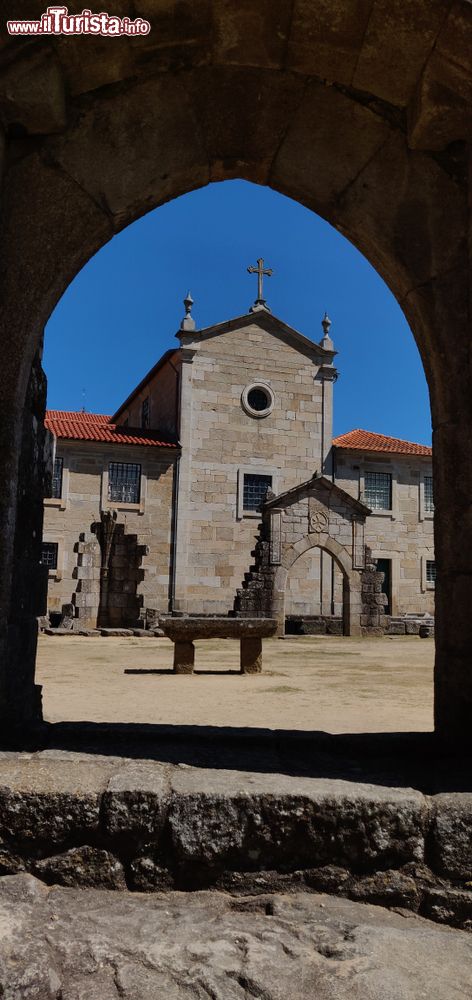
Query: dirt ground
x=311, y=683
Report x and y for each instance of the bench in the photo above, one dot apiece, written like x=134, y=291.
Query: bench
x=250, y=632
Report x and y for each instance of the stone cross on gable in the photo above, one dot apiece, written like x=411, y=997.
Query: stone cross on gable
x=261, y=271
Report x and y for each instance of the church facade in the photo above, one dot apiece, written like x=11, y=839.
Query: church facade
x=233, y=415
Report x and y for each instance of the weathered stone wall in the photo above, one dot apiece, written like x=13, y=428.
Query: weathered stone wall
x=224, y=442
x=75, y=819
x=29, y=579
x=84, y=495
x=314, y=585
x=405, y=535
x=162, y=394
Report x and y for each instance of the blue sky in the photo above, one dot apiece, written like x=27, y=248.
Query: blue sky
x=122, y=310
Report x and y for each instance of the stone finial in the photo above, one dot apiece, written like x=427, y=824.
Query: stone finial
x=326, y=341
x=188, y=322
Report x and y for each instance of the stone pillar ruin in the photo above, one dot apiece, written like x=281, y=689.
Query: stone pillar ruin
x=374, y=621
x=86, y=599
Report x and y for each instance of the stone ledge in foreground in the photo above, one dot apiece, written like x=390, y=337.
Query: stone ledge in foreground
x=100, y=945
x=89, y=820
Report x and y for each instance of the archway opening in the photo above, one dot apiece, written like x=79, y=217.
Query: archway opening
x=314, y=596
x=139, y=320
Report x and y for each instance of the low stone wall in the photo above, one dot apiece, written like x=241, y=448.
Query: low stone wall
x=422, y=625
x=82, y=820
x=313, y=625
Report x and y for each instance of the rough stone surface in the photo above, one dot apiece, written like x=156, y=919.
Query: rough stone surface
x=135, y=799
x=82, y=866
x=217, y=628
x=449, y=906
x=32, y=92
x=217, y=819
x=81, y=819
x=452, y=834
x=116, y=631
x=87, y=943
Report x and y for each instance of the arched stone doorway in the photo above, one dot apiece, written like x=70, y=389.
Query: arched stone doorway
x=96, y=138
x=352, y=585
x=314, y=514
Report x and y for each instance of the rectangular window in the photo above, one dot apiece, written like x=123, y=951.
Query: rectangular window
x=124, y=482
x=430, y=571
x=145, y=412
x=378, y=490
x=57, y=478
x=428, y=495
x=254, y=490
x=49, y=554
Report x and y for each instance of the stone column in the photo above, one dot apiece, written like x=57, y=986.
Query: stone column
x=327, y=375
x=86, y=599
x=452, y=469
x=251, y=656
x=24, y=448
x=184, y=657
x=445, y=305
x=185, y=483
x=373, y=619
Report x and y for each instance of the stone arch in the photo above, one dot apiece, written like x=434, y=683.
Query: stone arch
x=101, y=138
x=351, y=579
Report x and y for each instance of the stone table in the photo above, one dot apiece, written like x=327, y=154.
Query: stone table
x=250, y=632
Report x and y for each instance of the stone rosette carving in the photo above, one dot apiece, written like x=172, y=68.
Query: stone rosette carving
x=318, y=521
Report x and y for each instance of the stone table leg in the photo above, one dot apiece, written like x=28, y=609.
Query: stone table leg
x=251, y=656
x=184, y=657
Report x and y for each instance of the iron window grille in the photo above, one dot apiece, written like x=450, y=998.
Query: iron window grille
x=145, y=413
x=430, y=571
x=57, y=478
x=428, y=495
x=378, y=490
x=49, y=554
x=124, y=482
x=254, y=490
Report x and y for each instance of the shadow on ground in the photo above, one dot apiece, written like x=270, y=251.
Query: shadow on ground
x=415, y=760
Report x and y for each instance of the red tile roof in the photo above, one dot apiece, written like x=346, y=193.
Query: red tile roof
x=98, y=427
x=359, y=440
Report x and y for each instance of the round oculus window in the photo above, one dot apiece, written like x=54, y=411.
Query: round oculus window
x=258, y=400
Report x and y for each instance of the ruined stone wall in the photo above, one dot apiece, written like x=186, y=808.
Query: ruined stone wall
x=405, y=534
x=84, y=495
